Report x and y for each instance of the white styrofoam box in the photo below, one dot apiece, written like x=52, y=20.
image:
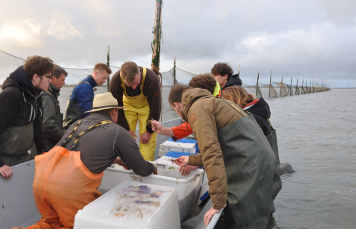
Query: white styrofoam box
x=204, y=193
x=131, y=205
x=166, y=161
x=161, y=153
x=187, y=187
x=166, y=166
x=175, y=146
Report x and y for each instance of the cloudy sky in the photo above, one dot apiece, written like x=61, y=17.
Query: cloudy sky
x=314, y=38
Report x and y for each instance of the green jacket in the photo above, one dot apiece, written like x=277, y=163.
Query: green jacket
x=238, y=160
x=52, y=117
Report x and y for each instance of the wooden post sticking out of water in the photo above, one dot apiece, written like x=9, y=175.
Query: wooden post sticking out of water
x=310, y=85
x=314, y=85
x=270, y=84
x=280, y=90
x=174, y=72
x=157, y=33
x=108, y=64
x=258, y=77
x=306, y=83
x=291, y=87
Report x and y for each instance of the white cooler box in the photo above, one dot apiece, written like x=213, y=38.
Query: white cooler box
x=131, y=205
x=187, y=187
x=168, y=146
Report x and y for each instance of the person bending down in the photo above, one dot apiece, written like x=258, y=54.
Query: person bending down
x=235, y=154
x=67, y=177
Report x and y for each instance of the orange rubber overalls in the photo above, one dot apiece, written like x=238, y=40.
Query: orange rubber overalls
x=63, y=185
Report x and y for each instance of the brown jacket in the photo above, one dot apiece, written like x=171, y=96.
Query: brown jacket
x=206, y=115
x=151, y=90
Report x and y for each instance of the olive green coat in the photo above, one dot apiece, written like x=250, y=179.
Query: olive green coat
x=237, y=158
x=52, y=117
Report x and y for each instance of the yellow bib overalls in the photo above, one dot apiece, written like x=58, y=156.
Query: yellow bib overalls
x=137, y=108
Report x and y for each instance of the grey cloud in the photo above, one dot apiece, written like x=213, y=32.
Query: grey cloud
x=307, y=37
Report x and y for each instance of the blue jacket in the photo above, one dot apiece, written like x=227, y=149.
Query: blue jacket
x=83, y=94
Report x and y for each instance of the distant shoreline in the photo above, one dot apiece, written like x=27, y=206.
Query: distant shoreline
x=72, y=85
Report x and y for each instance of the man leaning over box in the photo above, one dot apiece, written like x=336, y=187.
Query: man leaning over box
x=238, y=160
x=138, y=89
x=67, y=177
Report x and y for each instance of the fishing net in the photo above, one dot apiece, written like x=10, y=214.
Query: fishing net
x=9, y=63
x=291, y=90
x=282, y=89
x=297, y=90
x=182, y=76
x=288, y=88
x=303, y=90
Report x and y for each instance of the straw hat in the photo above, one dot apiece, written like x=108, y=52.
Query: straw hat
x=104, y=101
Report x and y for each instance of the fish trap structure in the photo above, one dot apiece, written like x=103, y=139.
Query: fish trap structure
x=9, y=62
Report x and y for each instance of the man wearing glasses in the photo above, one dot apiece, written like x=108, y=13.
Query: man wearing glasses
x=21, y=112
x=52, y=117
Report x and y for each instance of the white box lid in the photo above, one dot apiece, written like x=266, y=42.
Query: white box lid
x=130, y=202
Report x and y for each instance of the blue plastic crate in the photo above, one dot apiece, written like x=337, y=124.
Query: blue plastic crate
x=176, y=154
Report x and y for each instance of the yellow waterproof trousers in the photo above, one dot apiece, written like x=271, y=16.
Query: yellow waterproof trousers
x=133, y=115
x=138, y=109
x=62, y=186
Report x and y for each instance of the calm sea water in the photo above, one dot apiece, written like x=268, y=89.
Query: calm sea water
x=316, y=135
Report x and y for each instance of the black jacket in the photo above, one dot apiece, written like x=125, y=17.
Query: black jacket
x=261, y=113
x=21, y=104
x=52, y=117
x=234, y=80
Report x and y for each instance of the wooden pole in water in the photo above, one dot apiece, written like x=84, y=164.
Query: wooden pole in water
x=280, y=90
x=270, y=84
x=310, y=84
x=258, y=77
x=174, y=72
x=157, y=33
x=314, y=85
x=306, y=83
x=291, y=86
x=108, y=64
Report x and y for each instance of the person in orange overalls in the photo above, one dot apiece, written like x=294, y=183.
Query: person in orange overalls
x=67, y=177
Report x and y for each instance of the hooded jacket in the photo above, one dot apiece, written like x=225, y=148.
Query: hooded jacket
x=206, y=117
x=260, y=110
x=21, y=104
x=238, y=160
x=234, y=80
